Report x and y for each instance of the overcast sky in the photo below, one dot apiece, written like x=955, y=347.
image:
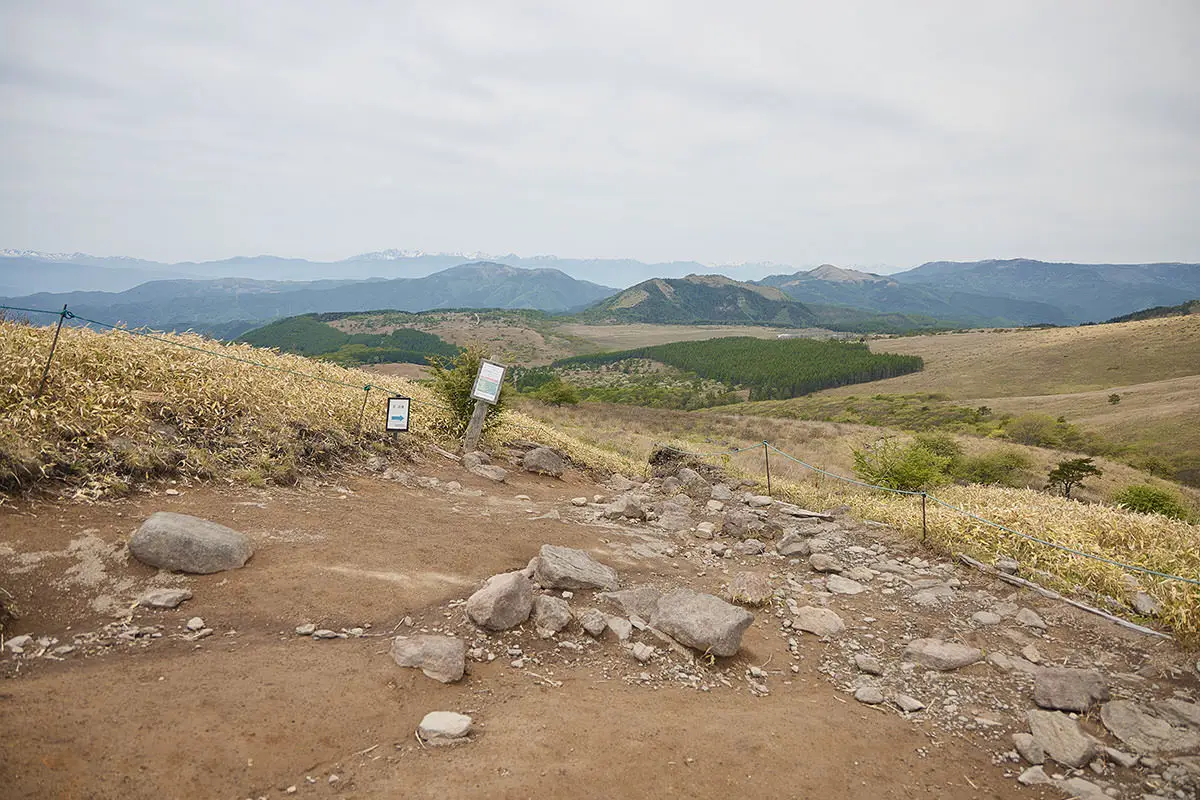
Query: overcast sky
x=855, y=133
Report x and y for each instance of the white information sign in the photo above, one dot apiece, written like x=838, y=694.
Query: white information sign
x=397, y=413
x=487, y=383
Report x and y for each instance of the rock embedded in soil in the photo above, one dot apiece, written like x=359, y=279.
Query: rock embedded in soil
x=1028, y=748
x=642, y=652
x=550, y=615
x=504, y=602
x=543, y=461
x=443, y=658
x=751, y=588
x=792, y=544
x=1030, y=619
x=1061, y=739
x=741, y=524
x=625, y=507
x=868, y=663
x=818, y=621
x=722, y=492
x=491, y=472
x=1144, y=732
x=941, y=655
x=1146, y=605
x=1069, y=689
x=593, y=622
x=702, y=621
x=307, y=629
x=907, y=704
x=840, y=585
x=749, y=547
x=164, y=598
x=195, y=624
x=183, y=543
x=621, y=627
x=823, y=562
x=443, y=727
x=474, y=459
x=567, y=568
x=870, y=695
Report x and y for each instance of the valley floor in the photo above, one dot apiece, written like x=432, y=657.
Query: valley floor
x=255, y=709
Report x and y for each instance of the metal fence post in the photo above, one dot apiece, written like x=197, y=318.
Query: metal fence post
x=767, y=460
x=362, y=411
x=924, y=529
x=46, y=372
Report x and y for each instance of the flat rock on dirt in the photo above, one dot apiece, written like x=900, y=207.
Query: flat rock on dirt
x=164, y=598
x=504, y=602
x=1144, y=732
x=443, y=658
x=751, y=588
x=818, y=621
x=443, y=727
x=1061, y=739
x=182, y=543
x=702, y=621
x=940, y=655
x=567, y=568
x=550, y=615
x=1069, y=689
x=639, y=600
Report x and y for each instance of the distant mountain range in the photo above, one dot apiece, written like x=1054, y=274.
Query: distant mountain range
x=229, y=296
x=229, y=306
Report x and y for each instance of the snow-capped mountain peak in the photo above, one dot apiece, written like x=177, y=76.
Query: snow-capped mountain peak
x=397, y=255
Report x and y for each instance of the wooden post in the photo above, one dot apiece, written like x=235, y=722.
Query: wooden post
x=475, y=427
x=46, y=372
x=767, y=459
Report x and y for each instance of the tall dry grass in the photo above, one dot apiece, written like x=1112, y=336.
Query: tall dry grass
x=121, y=408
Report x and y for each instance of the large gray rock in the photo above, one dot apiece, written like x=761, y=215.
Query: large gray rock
x=818, y=621
x=792, y=544
x=567, y=568
x=751, y=588
x=504, y=602
x=1061, y=739
x=722, y=493
x=701, y=621
x=444, y=727
x=1069, y=689
x=182, y=543
x=940, y=655
x=442, y=658
x=694, y=485
x=639, y=601
x=1144, y=732
x=550, y=615
x=543, y=461
x=823, y=562
x=491, y=472
x=741, y=524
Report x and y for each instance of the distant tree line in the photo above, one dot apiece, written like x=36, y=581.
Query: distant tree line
x=772, y=369
x=306, y=335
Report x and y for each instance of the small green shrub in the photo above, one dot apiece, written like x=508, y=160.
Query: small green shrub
x=1006, y=467
x=1151, y=500
x=453, y=388
x=912, y=467
x=556, y=392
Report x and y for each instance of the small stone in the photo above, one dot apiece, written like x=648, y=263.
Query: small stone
x=442, y=658
x=550, y=615
x=642, y=652
x=491, y=472
x=1007, y=565
x=1030, y=619
x=324, y=633
x=749, y=547
x=714, y=506
x=986, y=618
x=17, y=644
x=705, y=530
x=1126, y=760
x=933, y=595
x=868, y=663
x=823, y=562
x=1034, y=776
x=941, y=655
x=1146, y=605
x=625, y=507
x=621, y=627
x=818, y=621
x=1061, y=738
x=593, y=622
x=907, y=704
x=759, y=501
x=164, y=598
x=504, y=602
x=750, y=588
x=1031, y=654
x=195, y=624
x=869, y=695
x=579, y=501
x=443, y=727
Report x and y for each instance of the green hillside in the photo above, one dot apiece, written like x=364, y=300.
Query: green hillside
x=306, y=335
x=770, y=369
x=1183, y=309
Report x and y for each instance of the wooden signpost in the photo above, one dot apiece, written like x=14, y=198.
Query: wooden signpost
x=486, y=392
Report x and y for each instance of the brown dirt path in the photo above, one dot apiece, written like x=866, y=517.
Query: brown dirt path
x=255, y=709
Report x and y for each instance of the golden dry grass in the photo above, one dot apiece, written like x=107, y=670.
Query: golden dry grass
x=120, y=408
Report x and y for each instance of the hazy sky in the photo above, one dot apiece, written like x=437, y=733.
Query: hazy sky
x=854, y=133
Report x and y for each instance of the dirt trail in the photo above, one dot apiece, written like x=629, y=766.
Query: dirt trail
x=255, y=709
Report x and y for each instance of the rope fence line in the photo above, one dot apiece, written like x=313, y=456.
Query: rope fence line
x=925, y=495
x=66, y=314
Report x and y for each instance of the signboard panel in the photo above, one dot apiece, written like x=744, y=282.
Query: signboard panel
x=397, y=413
x=487, y=383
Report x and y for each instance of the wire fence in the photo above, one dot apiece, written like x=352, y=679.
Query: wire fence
x=158, y=336
x=768, y=448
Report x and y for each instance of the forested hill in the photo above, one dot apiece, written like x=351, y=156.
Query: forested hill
x=772, y=369
x=702, y=299
x=1183, y=309
x=306, y=335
